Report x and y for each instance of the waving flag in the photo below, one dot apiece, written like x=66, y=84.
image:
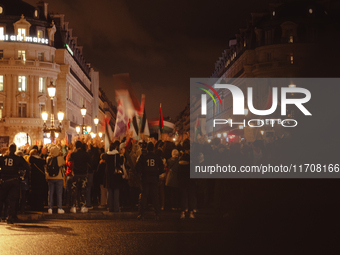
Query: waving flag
x=121, y=121
x=160, y=121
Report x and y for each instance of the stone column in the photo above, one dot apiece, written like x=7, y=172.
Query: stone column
x=14, y=95
x=8, y=89
x=32, y=98
x=35, y=96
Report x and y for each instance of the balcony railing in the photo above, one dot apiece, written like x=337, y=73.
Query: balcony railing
x=36, y=63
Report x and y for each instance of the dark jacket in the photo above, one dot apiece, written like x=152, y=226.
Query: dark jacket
x=113, y=171
x=184, y=169
x=81, y=161
x=10, y=166
x=150, y=166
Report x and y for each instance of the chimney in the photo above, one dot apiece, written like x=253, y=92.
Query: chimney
x=43, y=7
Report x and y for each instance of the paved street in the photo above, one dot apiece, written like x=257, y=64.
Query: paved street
x=127, y=236
x=289, y=231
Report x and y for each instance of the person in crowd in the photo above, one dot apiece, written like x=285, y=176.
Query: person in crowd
x=172, y=179
x=10, y=165
x=25, y=176
x=95, y=157
x=55, y=183
x=186, y=185
x=69, y=175
x=100, y=176
x=150, y=166
x=81, y=161
x=38, y=194
x=113, y=175
x=44, y=153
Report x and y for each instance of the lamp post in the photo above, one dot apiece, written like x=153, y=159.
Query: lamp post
x=83, y=127
x=96, y=121
x=52, y=131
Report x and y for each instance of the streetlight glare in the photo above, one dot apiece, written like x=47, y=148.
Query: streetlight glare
x=44, y=116
x=60, y=116
x=88, y=129
x=100, y=134
x=78, y=129
x=96, y=121
x=51, y=90
x=83, y=111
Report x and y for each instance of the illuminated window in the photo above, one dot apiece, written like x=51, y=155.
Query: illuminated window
x=291, y=39
x=22, y=32
x=36, y=13
x=40, y=34
x=22, y=55
x=1, y=10
x=41, y=56
x=1, y=82
x=2, y=33
x=273, y=13
x=22, y=110
x=41, y=84
x=291, y=58
x=22, y=83
x=70, y=92
x=1, y=109
x=310, y=11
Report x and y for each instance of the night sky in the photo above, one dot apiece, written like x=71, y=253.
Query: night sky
x=161, y=44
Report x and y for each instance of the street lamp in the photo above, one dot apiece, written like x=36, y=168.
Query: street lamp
x=52, y=131
x=96, y=121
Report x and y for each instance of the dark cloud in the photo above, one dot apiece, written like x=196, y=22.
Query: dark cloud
x=160, y=43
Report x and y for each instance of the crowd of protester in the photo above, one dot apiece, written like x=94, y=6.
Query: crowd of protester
x=125, y=177
x=129, y=175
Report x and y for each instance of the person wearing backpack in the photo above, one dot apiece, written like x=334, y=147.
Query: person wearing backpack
x=81, y=161
x=54, y=176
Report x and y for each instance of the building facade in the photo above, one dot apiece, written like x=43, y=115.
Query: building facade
x=37, y=49
x=289, y=40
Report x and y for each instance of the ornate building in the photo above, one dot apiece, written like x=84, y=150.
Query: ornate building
x=294, y=39
x=36, y=49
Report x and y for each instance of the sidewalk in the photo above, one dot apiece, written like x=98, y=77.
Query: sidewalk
x=97, y=213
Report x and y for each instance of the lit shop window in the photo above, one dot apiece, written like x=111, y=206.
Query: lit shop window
x=22, y=55
x=291, y=39
x=1, y=82
x=2, y=33
x=40, y=34
x=22, y=83
x=1, y=109
x=41, y=84
x=22, y=32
